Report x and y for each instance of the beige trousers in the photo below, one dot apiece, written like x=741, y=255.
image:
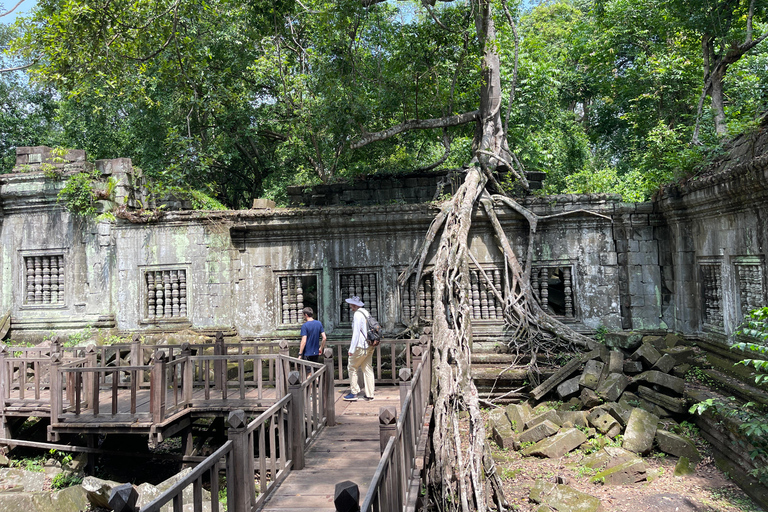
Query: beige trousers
x=361, y=357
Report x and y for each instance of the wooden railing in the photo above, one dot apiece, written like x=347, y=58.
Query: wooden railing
x=260, y=454
x=396, y=482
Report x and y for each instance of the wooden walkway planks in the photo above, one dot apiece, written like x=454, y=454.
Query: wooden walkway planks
x=348, y=451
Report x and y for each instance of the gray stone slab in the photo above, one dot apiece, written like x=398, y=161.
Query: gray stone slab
x=550, y=415
x=612, y=387
x=670, y=403
x=647, y=354
x=558, y=445
x=568, y=387
x=590, y=377
x=665, y=363
x=538, y=432
x=519, y=415
x=640, y=431
x=665, y=380
x=602, y=420
x=677, y=445
x=623, y=339
x=629, y=472
x=563, y=498
x=616, y=362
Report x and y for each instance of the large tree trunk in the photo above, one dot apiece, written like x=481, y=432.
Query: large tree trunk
x=718, y=104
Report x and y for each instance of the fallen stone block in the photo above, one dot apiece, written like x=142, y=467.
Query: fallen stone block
x=589, y=398
x=612, y=387
x=672, y=340
x=656, y=342
x=568, y=387
x=640, y=431
x=616, y=362
x=558, y=445
x=647, y=354
x=538, y=432
x=590, y=377
x=677, y=445
x=672, y=404
x=576, y=418
x=632, y=367
x=608, y=457
x=683, y=467
x=623, y=340
x=98, y=491
x=629, y=472
x=681, y=353
x=681, y=370
x=550, y=415
x=497, y=415
x=619, y=412
x=603, y=421
x=665, y=380
x=665, y=364
x=519, y=415
x=501, y=430
x=563, y=498
x=559, y=376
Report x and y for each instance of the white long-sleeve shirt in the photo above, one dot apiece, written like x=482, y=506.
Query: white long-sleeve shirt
x=359, y=330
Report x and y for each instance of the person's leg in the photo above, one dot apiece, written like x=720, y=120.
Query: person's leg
x=355, y=360
x=368, y=372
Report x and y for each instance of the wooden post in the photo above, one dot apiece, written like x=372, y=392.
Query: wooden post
x=240, y=484
x=56, y=405
x=298, y=425
x=137, y=355
x=91, y=379
x=330, y=395
x=405, y=384
x=55, y=345
x=387, y=425
x=6, y=431
x=284, y=367
x=187, y=373
x=219, y=366
x=157, y=387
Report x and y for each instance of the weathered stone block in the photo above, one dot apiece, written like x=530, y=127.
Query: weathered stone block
x=538, y=432
x=677, y=445
x=683, y=467
x=656, y=342
x=665, y=363
x=519, y=415
x=665, y=380
x=558, y=445
x=632, y=367
x=672, y=340
x=616, y=362
x=501, y=430
x=563, y=498
x=589, y=398
x=671, y=404
x=608, y=457
x=568, y=387
x=602, y=420
x=576, y=418
x=618, y=411
x=647, y=354
x=681, y=353
x=550, y=415
x=629, y=472
x=590, y=377
x=624, y=340
x=640, y=431
x=681, y=370
x=613, y=386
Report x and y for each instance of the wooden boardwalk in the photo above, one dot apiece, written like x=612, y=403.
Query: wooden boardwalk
x=347, y=451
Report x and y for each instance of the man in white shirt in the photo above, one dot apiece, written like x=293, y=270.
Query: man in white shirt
x=360, y=353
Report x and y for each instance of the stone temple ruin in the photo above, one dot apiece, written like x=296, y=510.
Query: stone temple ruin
x=690, y=262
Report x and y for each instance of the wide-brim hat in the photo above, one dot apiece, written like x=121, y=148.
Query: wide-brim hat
x=355, y=301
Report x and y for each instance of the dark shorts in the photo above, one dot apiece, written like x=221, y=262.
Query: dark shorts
x=314, y=359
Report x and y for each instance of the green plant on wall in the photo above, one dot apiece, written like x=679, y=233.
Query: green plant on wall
x=78, y=195
x=755, y=327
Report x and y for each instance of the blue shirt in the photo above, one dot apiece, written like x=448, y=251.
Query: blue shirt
x=312, y=330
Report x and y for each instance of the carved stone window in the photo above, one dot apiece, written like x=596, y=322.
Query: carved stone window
x=554, y=287
x=362, y=285
x=166, y=294
x=421, y=302
x=296, y=293
x=44, y=280
x=484, y=303
x=712, y=293
x=749, y=273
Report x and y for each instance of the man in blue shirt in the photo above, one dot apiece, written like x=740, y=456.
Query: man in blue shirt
x=311, y=333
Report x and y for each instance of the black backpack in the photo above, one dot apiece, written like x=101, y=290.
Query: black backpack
x=374, y=331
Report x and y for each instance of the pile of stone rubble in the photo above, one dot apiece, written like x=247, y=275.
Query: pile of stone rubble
x=632, y=386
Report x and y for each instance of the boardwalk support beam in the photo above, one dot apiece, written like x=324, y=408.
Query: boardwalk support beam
x=242, y=454
x=387, y=425
x=330, y=401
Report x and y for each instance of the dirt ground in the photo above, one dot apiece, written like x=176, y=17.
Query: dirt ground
x=707, y=490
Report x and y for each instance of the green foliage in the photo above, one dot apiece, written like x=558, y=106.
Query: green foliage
x=755, y=326
x=752, y=420
x=35, y=464
x=66, y=479
x=79, y=338
x=78, y=195
x=600, y=333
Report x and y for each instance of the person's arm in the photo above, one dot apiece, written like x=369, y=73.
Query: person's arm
x=356, y=326
x=322, y=344
x=303, y=344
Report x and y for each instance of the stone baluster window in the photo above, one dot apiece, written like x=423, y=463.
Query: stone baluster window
x=422, y=302
x=362, y=285
x=296, y=293
x=166, y=294
x=485, y=306
x=712, y=294
x=44, y=280
x=751, y=287
x=554, y=287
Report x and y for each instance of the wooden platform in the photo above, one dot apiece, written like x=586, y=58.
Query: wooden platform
x=347, y=451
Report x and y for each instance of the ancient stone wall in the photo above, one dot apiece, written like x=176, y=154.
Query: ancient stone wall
x=692, y=261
